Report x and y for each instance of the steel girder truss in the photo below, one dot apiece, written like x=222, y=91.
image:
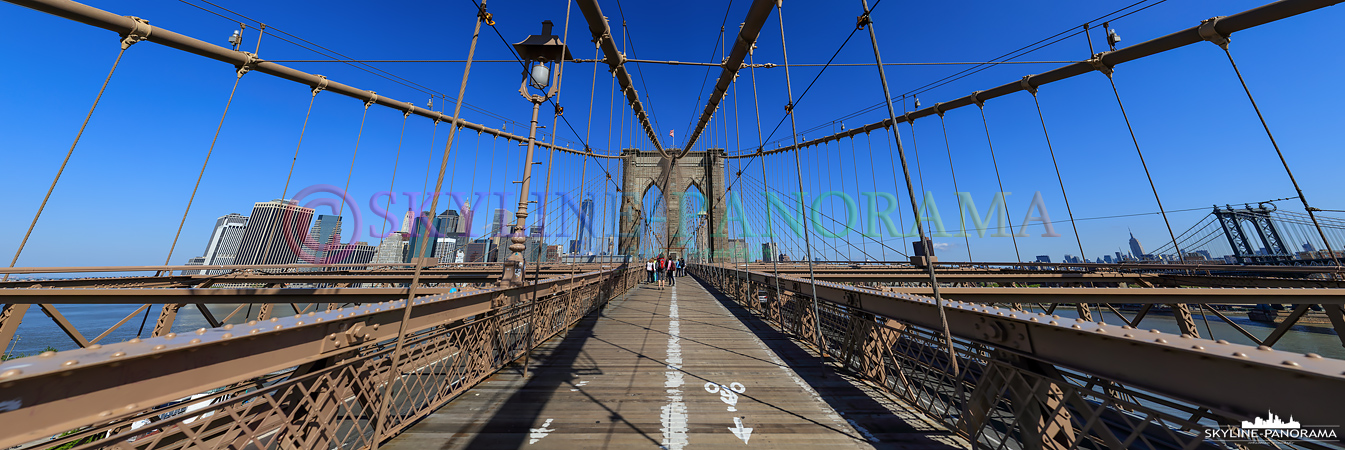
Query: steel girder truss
x=1029, y=380
x=307, y=381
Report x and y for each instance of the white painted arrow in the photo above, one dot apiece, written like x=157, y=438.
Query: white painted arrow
x=538, y=433
x=742, y=433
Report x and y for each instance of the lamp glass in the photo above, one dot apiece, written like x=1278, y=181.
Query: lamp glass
x=541, y=76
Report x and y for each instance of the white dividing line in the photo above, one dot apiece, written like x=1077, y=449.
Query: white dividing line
x=674, y=414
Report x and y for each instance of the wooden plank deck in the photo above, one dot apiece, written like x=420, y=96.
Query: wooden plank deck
x=640, y=374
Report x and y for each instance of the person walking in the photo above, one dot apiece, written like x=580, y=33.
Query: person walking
x=672, y=272
x=649, y=271
x=681, y=267
x=659, y=266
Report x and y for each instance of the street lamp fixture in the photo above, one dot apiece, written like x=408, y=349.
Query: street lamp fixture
x=541, y=54
x=543, y=57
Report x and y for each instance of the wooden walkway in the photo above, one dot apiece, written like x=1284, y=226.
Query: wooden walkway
x=673, y=368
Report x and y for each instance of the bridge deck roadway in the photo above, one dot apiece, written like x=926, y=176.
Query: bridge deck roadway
x=635, y=376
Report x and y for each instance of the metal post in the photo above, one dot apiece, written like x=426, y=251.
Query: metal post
x=513, y=268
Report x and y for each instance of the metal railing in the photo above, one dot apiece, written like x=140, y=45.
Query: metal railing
x=308, y=381
x=1029, y=380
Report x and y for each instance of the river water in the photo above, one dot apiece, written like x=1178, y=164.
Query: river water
x=39, y=332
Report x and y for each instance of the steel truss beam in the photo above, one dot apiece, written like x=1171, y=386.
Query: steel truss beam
x=58, y=392
x=616, y=63
x=1211, y=374
x=747, y=38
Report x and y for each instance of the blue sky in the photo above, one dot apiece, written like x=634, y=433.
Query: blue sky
x=121, y=198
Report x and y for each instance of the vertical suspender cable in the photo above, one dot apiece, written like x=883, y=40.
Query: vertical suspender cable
x=1108, y=71
x=961, y=211
x=798, y=171
x=358, y=136
x=384, y=403
x=1060, y=179
x=241, y=70
x=873, y=178
x=891, y=163
x=765, y=183
x=1208, y=32
x=1013, y=234
x=125, y=44
x=583, y=172
x=906, y=172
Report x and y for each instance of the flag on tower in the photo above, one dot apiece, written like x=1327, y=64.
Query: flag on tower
x=670, y=133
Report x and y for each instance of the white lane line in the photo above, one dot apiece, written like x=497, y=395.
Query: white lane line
x=674, y=414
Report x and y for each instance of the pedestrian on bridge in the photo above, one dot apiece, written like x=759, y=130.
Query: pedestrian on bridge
x=672, y=272
x=681, y=267
x=649, y=271
x=660, y=265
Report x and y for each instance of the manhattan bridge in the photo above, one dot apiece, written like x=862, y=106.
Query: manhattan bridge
x=870, y=322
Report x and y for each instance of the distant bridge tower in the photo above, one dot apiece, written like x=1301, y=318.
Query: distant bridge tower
x=1243, y=248
x=702, y=169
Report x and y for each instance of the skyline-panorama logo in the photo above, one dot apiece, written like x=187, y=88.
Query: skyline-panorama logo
x=1272, y=428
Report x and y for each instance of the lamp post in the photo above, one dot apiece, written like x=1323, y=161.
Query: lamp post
x=542, y=56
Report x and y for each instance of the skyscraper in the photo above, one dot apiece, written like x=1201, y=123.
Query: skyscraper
x=274, y=233
x=449, y=224
x=223, y=245
x=194, y=261
x=1136, y=249
x=357, y=254
x=419, y=247
x=534, y=250
x=585, y=230
x=406, y=222
x=325, y=232
x=445, y=249
x=769, y=251
x=496, y=234
x=391, y=249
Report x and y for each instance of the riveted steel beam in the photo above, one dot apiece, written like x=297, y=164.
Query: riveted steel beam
x=616, y=63
x=1212, y=374
x=747, y=39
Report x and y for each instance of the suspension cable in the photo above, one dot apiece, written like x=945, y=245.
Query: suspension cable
x=1013, y=234
x=798, y=171
x=395, y=160
x=906, y=172
x=241, y=70
x=1058, y=177
x=1180, y=255
x=765, y=191
x=1222, y=42
x=358, y=136
x=961, y=211
x=873, y=179
x=384, y=403
x=125, y=44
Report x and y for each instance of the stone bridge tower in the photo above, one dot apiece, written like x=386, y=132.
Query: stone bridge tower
x=704, y=170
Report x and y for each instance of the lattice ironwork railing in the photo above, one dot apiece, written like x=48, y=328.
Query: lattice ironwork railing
x=333, y=399
x=1013, y=390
